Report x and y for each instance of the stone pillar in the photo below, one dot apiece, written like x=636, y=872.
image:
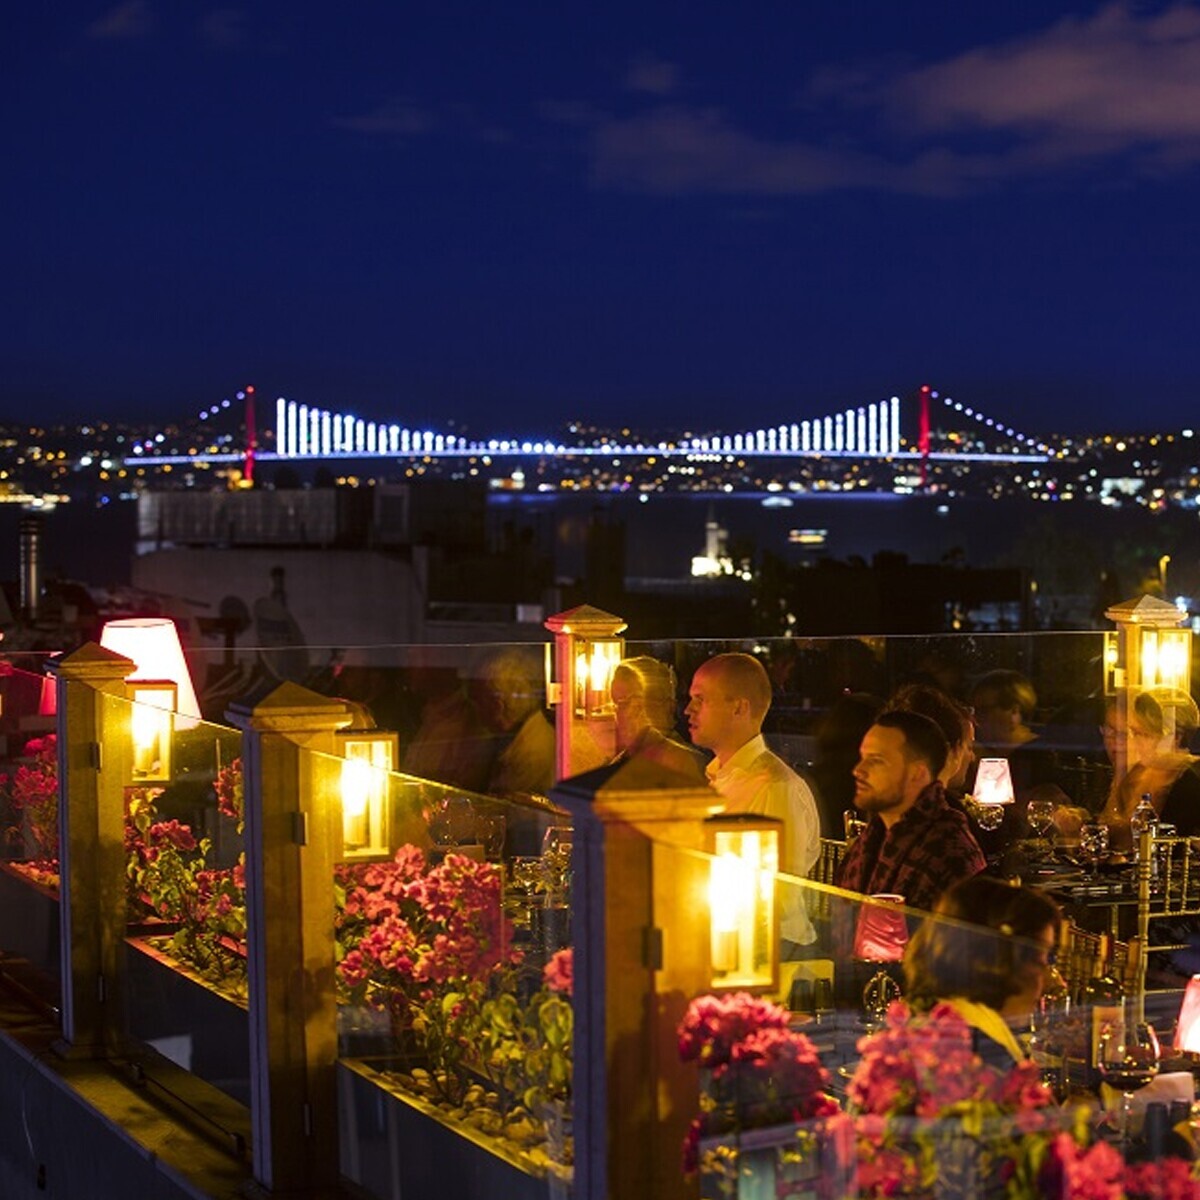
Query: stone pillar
x=94, y=764
x=640, y=928
x=290, y=841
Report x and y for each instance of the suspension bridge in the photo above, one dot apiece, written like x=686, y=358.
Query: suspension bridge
x=943, y=428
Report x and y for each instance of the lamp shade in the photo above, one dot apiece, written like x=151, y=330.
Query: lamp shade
x=993, y=782
x=1187, y=1030
x=153, y=645
x=882, y=930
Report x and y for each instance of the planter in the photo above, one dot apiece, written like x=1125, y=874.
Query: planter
x=396, y=1144
x=29, y=921
x=794, y=1160
x=184, y=1018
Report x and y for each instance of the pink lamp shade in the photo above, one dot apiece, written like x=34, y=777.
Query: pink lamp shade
x=153, y=645
x=993, y=782
x=1187, y=1030
x=882, y=931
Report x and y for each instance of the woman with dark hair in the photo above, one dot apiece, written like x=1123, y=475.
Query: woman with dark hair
x=985, y=951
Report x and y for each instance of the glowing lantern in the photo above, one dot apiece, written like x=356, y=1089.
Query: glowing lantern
x=587, y=649
x=368, y=758
x=741, y=900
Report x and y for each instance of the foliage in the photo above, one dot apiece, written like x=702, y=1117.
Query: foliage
x=170, y=879
x=430, y=946
x=231, y=793
x=32, y=791
x=927, y=1116
x=932, y=1111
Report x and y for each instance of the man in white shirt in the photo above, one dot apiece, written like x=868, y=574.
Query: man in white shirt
x=730, y=696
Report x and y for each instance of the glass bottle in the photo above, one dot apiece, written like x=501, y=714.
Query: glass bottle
x=1103, y=997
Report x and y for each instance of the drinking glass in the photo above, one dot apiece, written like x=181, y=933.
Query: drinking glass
x=1040, y=815
x=556, y=854
x=1093, y=844
x=490, y=828
x=1128, y=1056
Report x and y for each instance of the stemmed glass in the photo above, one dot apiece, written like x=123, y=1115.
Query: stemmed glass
x=1128, y=1056
x=556, y=853
x=1093, y=844
x=1040, y=815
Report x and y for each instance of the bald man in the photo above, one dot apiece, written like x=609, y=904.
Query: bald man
x=730, y=696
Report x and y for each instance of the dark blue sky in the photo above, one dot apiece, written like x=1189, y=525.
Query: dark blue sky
x=668, y=214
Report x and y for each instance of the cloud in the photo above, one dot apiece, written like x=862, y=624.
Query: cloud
x=1113, y=80
x=652, y=76
x=224, y=29
x=132, y=19
x=398, y=116
x=1083, y=93
x=678, y=149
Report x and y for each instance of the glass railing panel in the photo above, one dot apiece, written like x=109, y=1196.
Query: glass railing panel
x=29, y=878
x=1038, y=701
x=475, y=716
x=900, y=1047
x=185, y=987
x=454, y=980
x=472, y=716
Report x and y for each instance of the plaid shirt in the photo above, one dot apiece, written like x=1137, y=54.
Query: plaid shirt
x=919, y=857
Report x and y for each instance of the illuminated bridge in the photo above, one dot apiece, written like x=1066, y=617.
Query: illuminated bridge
x=880, y=429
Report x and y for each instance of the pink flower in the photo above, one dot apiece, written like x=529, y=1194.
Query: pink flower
x=712, y=1024
x=559, y=972
x=1169, y=1179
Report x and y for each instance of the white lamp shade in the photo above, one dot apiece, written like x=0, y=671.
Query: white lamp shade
x=153, y=645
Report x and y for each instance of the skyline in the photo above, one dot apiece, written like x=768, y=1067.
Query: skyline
x=517, y=219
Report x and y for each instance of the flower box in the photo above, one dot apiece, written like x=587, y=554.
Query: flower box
x=394, y=1143
x=187, y=1020
x=798, y=1160
x=29, y=921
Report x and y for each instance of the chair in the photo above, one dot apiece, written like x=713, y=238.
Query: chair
x=1084, y=957
x=823, y=870
x=1168, y=893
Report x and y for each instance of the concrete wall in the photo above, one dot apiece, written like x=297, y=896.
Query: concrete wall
x=336, y=597
x=75, y=1131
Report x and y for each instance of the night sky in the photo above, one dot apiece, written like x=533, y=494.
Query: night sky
x=674, y=215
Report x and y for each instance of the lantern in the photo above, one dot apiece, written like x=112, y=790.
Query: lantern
x=368, y=758
x=152, y=723
x=744, y=939
x=1148, y=648
x=587, y=649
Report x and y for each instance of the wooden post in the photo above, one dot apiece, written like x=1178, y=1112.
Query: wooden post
x=290, y=844
x=640, y=928
x=94, y=762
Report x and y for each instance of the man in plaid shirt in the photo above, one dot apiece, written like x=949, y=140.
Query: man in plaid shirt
x=915, y=844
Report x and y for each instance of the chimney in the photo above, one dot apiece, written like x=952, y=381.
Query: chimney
x=31, y=565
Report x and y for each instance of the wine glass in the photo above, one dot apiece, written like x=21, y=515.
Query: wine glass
x=1040, y=815
x=556, y=853
x=1093, y=843
x=1127, y=1055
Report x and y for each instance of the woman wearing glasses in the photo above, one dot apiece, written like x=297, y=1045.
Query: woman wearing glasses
x=1161, y=724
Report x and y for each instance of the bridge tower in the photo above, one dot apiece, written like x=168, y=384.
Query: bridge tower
x=251, y=436
x=923, y=434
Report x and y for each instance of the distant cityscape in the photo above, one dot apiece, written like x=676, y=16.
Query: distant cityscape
x=965, y=455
